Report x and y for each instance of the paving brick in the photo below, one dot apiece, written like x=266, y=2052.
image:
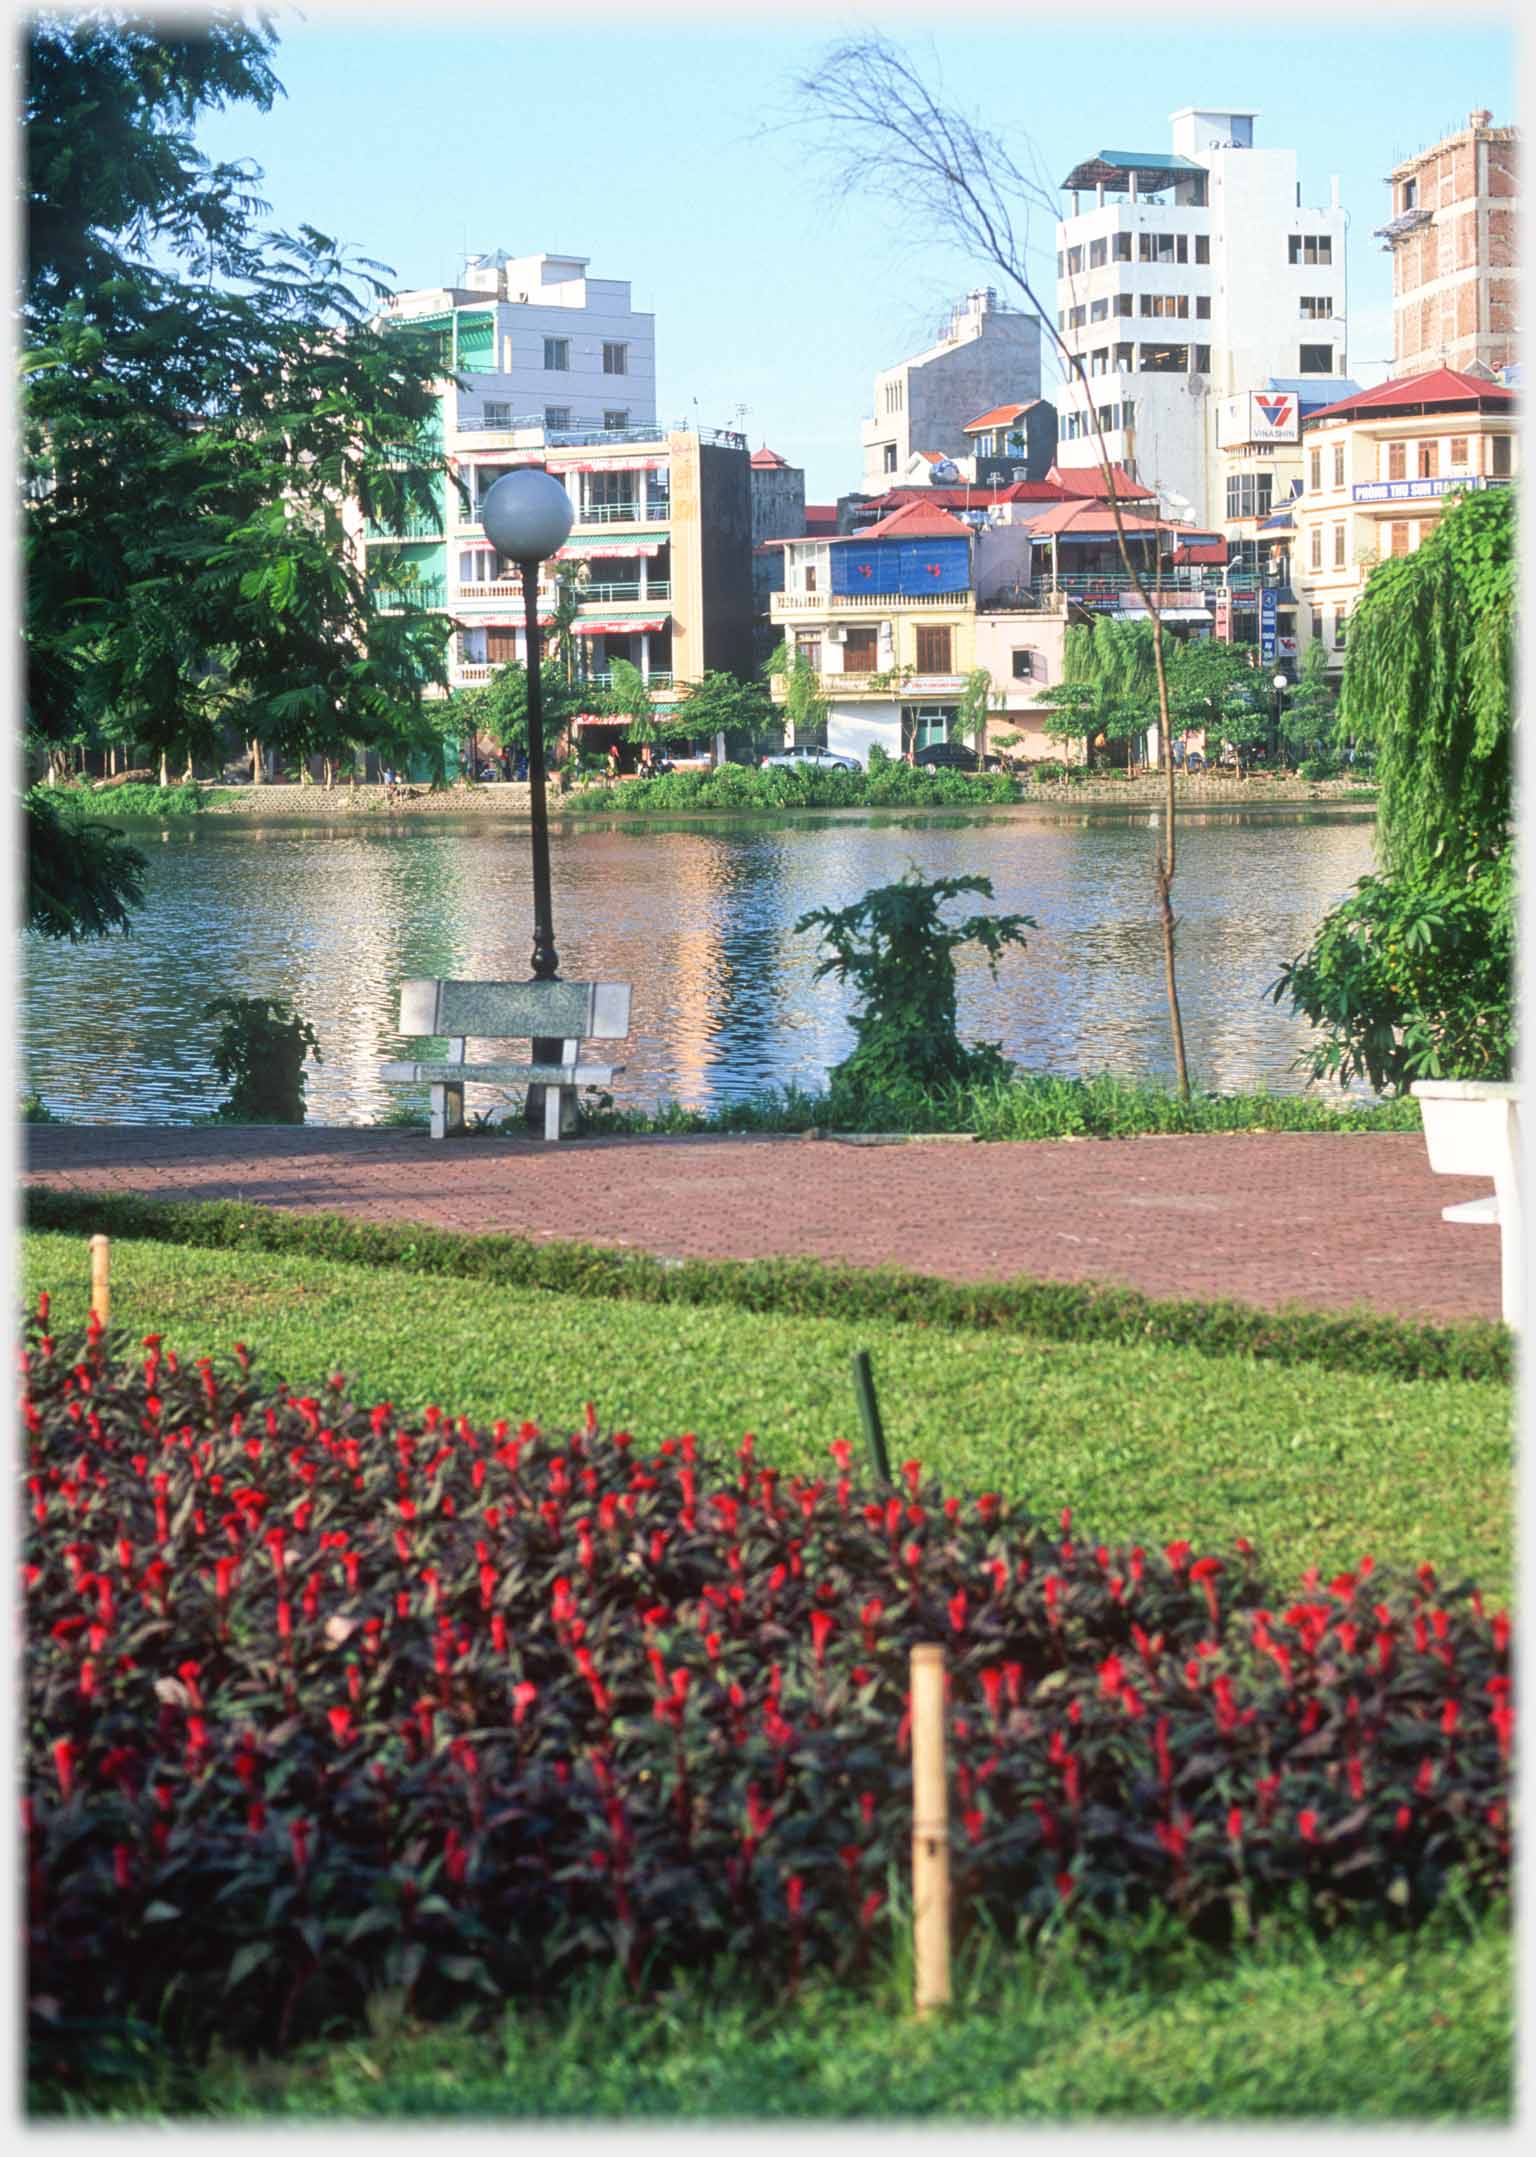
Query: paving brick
x=1321, y=1220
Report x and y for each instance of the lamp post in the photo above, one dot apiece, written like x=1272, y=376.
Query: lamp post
x=527, y=516
x=1282, y=683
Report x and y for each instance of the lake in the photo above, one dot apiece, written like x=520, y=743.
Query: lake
x=699, y=916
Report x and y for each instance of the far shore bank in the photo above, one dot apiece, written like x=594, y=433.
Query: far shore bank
x=513, y=800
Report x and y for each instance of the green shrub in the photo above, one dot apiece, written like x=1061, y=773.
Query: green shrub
x=888, y=784
x=897, y=954
x=1317, y=767
x=260, y=1055
x=1412, y=977
x=136, y=802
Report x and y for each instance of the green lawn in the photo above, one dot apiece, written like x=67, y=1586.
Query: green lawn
x=1361, y=2028
x=1315, y=1466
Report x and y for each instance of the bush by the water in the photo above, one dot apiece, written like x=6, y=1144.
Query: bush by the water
x=136, y=801
x=780, y=786
x=323, y=1701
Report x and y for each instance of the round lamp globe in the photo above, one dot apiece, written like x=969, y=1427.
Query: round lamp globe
x=526, y=515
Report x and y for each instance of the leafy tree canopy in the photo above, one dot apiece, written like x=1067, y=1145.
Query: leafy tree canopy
x=1428, y=683
x=500, y=709
x=202, y=398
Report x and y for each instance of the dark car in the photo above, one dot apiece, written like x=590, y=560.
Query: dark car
x=954, y=756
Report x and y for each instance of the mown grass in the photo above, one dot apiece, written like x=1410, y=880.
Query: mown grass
x=1314, y=1465
x=1363, y=2027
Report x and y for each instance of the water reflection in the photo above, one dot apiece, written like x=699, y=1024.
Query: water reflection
x=699, y=915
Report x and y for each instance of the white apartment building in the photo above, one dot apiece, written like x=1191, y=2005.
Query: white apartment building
x=1185, y=278
x=540, y=343
x=987, y=356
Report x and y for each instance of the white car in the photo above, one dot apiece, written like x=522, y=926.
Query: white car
x=812, y=756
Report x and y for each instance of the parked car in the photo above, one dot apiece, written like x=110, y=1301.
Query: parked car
x=812, y=756
x=954, y=756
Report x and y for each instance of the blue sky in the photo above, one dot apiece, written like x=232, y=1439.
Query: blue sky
x=417, y=135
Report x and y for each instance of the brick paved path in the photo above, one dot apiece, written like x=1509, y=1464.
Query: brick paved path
x=1327, y=1221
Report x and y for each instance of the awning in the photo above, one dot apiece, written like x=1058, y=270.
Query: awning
x=617, y=464
x=1168, y=614
x=621, y=628
x=581, y=550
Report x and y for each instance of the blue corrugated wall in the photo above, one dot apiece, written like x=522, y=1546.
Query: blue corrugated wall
x=908, y=567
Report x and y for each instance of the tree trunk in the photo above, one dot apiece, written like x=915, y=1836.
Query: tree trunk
x=165, y=770
x=255, y=763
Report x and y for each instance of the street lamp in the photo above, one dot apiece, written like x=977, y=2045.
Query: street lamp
x=526, y=516
x=1282, y=683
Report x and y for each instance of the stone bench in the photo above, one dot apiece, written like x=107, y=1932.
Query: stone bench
x=546, y=1014
x=1472, y=1128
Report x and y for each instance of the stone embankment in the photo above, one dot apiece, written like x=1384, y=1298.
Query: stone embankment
x=511, y=798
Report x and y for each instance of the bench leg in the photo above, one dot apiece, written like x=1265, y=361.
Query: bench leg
x=447, y=1111
x=554, y=1103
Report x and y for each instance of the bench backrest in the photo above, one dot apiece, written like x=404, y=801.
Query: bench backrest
x=516, y=1010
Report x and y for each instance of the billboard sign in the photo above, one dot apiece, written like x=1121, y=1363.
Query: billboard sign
x=1269, y=603
x=1257, y=416
x=1223, y=623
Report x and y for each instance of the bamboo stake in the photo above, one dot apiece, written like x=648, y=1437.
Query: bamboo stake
x=869, y=1414
x=930, y=1832
x=101, y=1295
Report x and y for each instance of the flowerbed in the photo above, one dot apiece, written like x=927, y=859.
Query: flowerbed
x=321, y=1702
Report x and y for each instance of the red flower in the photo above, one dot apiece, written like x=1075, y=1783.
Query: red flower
x=794, y=1894
x=341, y=1725
x=1306, y=1822
x=822, y=1626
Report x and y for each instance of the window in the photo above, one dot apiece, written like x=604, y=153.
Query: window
x=1398, y=542
x=808, y=583
x=1128, y=419
x=1163, y=247
x=502, y=647
x=1312, y=249
x=861, y=651
x=1250, y=494
x=497, y=415
x=557, y=355
x=1315, y=470
x=1125, y=303
x=615, y=422
x=1338, y=464
x=1429, y=460
x=557, y=416
x=1315, y=556
x=1459, y=457
x=1165, y=359
x=1122, y=248
x=933, y=651
x=1202, y=247
x=888, y=457
x=1500, y=467
x=478, y=565
x=1410, y=194
x=1316, y=307
x=1098, y=254
x=1339, y=621
x=1339, y=535
x=1202, y=359
x=1397, y=460
x=1169, y=305
x=1316, y=359
x=615, y=359
x=1098, y=362
x=1023, y=666
x=1202, y=308
x=1125, y=358
x=1074, y=261
x=1077, y=318
x=809, y=649
x=1098, y=311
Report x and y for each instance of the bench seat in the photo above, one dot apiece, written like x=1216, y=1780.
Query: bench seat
x=454, y=1074
x=553, y=1017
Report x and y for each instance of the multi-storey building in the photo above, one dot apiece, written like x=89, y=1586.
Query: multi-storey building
x=891, y=620
x=662, y=524
x=1258, y=442
x=1452, y=236
x=1185, y=278
x=986, y=356
x=778, y=512
x=1378, y=468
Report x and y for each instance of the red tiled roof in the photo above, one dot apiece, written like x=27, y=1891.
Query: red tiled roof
x=820, y=518
x=915, y=520
x=1021, y=490
x=1213, y=552
x=1442, y=385
x=1087, y=480
x=1084, y=518
x=999, y=416
x=766, y=459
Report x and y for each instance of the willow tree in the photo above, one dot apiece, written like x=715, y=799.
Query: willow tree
x=886, y=131
x=1108, y=686
x=1428, y=685
x=1412, y=976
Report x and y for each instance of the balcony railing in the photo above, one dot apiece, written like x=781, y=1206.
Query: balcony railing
x=802, y=603
x=658, y=678
x=430, y=592
x=655, y=511
x=613, y=594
